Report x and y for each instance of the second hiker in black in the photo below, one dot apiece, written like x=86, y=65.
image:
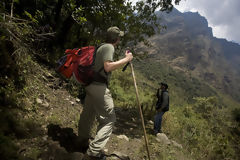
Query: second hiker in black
x=162, y=106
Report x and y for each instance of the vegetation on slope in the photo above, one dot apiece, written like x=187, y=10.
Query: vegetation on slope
x=198, y=118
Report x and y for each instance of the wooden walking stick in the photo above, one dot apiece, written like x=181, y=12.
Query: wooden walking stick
x=140, y=110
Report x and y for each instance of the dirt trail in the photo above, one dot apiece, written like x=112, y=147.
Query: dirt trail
x=56, y=116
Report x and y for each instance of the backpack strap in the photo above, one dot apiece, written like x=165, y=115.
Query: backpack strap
x=97, y=76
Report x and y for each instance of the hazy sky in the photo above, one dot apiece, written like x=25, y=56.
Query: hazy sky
x=223, y=16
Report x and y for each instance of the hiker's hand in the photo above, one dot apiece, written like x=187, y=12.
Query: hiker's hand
x=128, y=55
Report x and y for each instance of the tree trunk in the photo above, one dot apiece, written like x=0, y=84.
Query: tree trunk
x=57, y=13
x=67, y=25
x=64, y=30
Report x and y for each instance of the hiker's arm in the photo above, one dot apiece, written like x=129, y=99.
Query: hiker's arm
x=110, y=66
x=157, y=93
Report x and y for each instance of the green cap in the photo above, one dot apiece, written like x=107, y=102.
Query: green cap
x=115, y=32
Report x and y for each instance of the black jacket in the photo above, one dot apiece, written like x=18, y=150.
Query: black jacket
x=163, y=101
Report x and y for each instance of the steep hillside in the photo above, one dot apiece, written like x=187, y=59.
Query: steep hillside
x=43, y=122
x=188, y=46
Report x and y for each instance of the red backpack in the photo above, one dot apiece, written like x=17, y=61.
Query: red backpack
x=78, y=62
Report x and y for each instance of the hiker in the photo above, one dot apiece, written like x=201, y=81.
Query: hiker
x=98, y=101
x=162, y=106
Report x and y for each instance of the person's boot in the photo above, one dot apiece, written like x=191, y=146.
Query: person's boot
x=155, y=132
x=82, y=145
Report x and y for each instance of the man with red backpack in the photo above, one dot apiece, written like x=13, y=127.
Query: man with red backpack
x=98, y=100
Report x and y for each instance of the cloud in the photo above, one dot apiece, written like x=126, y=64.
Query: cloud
x=223, y=16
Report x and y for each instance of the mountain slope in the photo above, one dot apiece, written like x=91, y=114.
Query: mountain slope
x=188, y=46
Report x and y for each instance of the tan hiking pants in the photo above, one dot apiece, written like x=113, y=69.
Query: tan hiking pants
x=99, y=104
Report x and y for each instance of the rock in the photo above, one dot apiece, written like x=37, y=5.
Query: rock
x=49, y=76
x=44, y=78
x=161, y=137
x=45, y=138
x=42, y=96
x=105, y=150
x=78, y=100
x=123, y=137
x=72, y=103
x=176, y=144
x=39, y=101
x=150, y=122
x=45, y=104
x=133, y=119
x=118, y=155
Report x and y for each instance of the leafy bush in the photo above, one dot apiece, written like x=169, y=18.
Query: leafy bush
x=203, y=128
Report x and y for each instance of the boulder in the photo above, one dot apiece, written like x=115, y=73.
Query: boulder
x=162, y=138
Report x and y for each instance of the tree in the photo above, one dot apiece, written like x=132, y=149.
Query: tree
x=88, y=18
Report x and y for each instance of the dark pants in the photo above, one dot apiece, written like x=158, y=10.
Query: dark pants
x=158, y=122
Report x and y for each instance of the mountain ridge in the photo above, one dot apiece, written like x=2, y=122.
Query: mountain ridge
x=188, y=45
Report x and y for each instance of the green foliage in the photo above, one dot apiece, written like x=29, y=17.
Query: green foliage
x=10, y=78
x=203, y=128
x=8, y=150
x=30, y=16
x=123, y=90
x=78, y=15
x=206, y=106
x=80, y=23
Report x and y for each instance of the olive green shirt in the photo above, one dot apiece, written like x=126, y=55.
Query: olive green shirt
x=104, y=53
